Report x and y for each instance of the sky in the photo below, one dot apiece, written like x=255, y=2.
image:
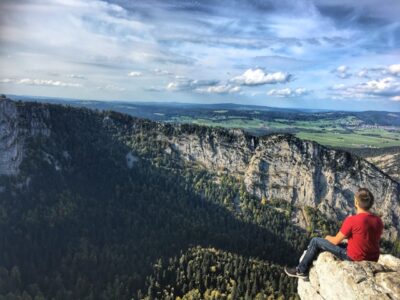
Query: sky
x=331, y=54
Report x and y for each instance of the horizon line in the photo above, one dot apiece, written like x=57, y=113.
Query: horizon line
x=166, y=102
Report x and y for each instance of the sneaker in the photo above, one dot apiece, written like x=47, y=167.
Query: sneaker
x=293, y=272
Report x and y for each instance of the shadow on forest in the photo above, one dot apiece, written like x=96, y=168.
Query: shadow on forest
x=96, y=220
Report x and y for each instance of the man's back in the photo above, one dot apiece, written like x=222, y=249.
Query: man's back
x=363, y=231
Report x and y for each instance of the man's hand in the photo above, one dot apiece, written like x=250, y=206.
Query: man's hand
x=336, y=239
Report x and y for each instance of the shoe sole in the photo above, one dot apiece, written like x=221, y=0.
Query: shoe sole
x=295, y=275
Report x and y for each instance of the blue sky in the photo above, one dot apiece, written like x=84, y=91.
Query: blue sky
x=333, y=54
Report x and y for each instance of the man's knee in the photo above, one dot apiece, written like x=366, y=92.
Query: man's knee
x=315, y=240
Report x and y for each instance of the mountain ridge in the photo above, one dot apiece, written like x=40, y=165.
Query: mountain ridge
x=276, y=166
x=218, y=148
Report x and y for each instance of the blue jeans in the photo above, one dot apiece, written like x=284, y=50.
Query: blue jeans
x=316, y=246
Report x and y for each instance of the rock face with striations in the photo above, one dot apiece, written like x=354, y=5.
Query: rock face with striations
x=15, y=126
x=10, y=148
x=332, y=279
x=389, y=163
x=282, y=167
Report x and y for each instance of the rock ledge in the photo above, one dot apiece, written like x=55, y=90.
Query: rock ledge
x=332, y=279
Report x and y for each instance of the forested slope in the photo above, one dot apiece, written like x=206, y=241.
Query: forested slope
x=102, y=206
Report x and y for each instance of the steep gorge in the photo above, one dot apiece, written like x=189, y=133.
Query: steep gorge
x=278, y=167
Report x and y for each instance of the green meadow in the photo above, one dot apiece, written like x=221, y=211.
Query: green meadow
x=343, y=132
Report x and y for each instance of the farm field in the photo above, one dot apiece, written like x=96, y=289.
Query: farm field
x=344, y=132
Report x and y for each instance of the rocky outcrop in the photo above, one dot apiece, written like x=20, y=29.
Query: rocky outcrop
x=332, y=279
x=10, y=146
x=15, y=127
x=308, y=174
x=389, y=163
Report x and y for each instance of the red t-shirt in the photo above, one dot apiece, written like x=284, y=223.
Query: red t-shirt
x=363, y=232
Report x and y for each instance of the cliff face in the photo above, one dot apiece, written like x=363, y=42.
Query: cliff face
x=389, y=163
x=282, y=167
x=279, y=167
x=10, y=147
x=17, y=124
x=332, y=279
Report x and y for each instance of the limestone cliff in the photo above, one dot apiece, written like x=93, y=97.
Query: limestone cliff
x=10, y=148
x=15, y=126
x=389, y=163
x=332, y=279
x=280, y=167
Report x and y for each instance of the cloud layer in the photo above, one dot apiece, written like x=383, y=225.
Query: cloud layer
x=288, y=92
x=40, y=82
x=259, y=77
x=204, y=51
x=388, y=87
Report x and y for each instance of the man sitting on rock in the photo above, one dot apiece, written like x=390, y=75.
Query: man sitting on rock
x=362, y=230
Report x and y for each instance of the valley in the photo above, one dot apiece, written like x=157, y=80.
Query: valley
x=100, y=205
x=339, y=129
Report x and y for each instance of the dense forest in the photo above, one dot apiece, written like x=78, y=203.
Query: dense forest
x=79, y=222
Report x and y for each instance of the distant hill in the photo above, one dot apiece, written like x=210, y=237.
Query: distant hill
x=164, y=111
x=338, y=129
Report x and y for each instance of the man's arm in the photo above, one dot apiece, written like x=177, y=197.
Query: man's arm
x=336, y=239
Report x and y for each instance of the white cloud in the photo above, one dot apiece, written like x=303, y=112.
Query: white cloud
x=395, y=98
x=175, y=86
x=339, y=86
x=135, y=74
x=84, y=33
x=394, y=69
x=342, y=69
x=77, y=76
x=288, y=92
x=154, y=89
x=41, y=82
x=219, y=89
x=162, y=72
x=384, y=87
x=259, y=77
x=185, y=84
x=91, y=4
x=363, y=73
x=342, y=72
x=111, y=87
